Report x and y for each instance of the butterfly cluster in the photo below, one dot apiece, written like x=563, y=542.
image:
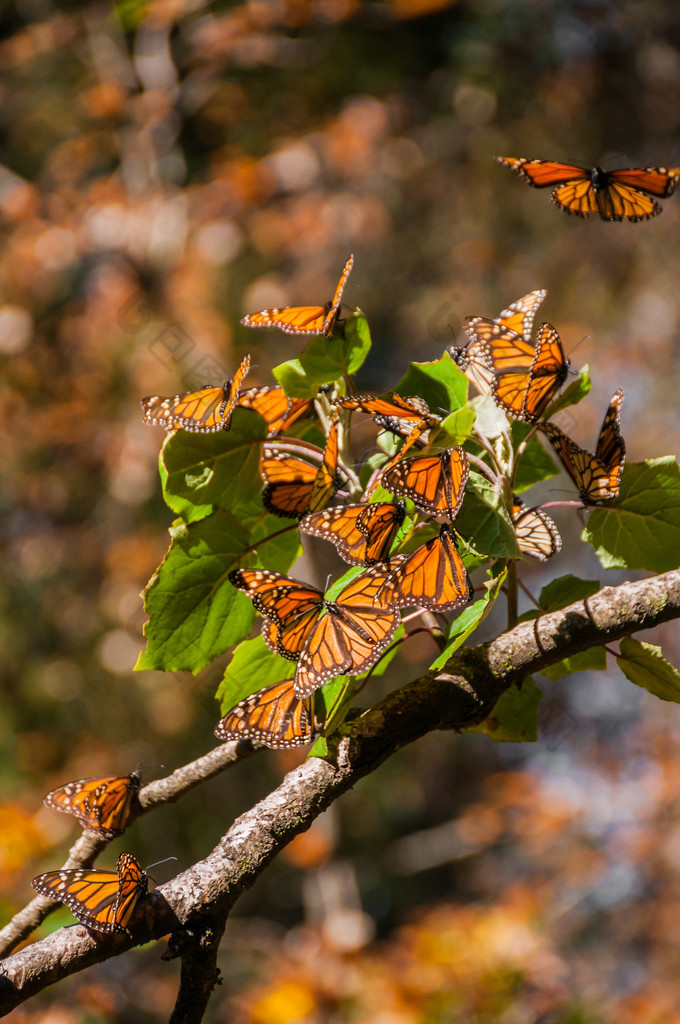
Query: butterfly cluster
x=401, y=533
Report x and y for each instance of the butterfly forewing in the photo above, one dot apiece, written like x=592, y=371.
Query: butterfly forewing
x=274, y=716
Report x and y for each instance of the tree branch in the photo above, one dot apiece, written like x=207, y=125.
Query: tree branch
x=461, y=695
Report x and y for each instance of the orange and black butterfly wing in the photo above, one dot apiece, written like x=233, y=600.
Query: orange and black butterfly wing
x=334, y=305
x=658, y=181
x=303, y=319
x=289, y=608
x=274, y=715
x=363, y=534
x=524, y=393
x=132, y=885
x=288, y=483
x=432, y=577
x=328, y=480
x=611, y=447
x=351, y=636
x=537, y=535
x=544, y=173
x=434, y=483
x=590, y=476
x=519, y=316
x=101, y=900
x=203, y=411
x=277, y=410
x=100, y=804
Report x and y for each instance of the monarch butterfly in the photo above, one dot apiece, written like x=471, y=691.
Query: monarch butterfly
x=303, y=319
x=203, y=411
x=472, y=358
x=395, y=413
x=363, y=534
x=434, y=483
x=537, y=535
x=524, y=377
x=289, y=608
x=352, y=635
x=275, y=407
x=294, y=487
x=612, y=194
x=101, y=900
x=597, y=477
x=101, y=805
x=274, y=715
x=432, y=577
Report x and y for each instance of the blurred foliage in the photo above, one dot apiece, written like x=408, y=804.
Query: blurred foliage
x=166, y=166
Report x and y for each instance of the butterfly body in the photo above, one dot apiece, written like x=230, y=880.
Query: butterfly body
x=303, y=319
x=614, y=195
x=103, y=901
x=100, y=804
x=203, y=411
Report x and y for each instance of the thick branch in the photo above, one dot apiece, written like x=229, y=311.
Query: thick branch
x=462, y=695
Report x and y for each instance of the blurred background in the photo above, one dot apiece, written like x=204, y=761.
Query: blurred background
x=169, y=165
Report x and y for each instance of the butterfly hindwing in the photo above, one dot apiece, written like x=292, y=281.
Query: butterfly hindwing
x=274, y=716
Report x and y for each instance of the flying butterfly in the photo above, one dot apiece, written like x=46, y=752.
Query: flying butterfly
x=352, y=635
x=289, y=608
x=103, y=901
x=294, y=487
x=101, y=804
x=537, y=535
x=303, y=319
x=434, y=483
x=363, y=534
x=432, y=577
x=615, y=195
x=472, y=358
x=203, y=411
x=597, y=477
x=275, y=407
x=525, y=377
x=274, y=715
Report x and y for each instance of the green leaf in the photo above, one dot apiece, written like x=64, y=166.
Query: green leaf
x=454, y=430
x=644, y=665
x=252, y=667
x=439, y=382
x=484, y=523
x=535, y=464
x=515, y=716
x=566, y=589
x=595, y=658
x=200, y=471
x=326, y=360
x=572, y=395
x=469, y=619
x=195, y=613
x=641, y=528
